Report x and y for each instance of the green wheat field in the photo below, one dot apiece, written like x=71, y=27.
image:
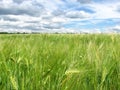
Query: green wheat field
x=59, y=62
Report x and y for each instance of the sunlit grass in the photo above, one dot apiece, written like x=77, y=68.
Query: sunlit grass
x=59, y=62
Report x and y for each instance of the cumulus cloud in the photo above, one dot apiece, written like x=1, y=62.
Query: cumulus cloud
x=105, y=11
x=118, y=8
x=51, y=26
x=6, y=18
x=18, y=1
x=77, y=14
x=19, y=15
x=54, y=15
x=58, y=12
x=115, y=29
x=84, y=1
x=27, y=7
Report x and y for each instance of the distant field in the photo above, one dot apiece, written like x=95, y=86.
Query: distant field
x=59, y=62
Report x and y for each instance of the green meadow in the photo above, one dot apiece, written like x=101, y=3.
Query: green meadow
x=59, y=62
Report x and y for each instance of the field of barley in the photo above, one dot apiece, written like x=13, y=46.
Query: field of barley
x=59, y=62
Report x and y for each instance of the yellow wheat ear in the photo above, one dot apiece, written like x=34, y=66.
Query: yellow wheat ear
x=71, y=72
x=14, y=83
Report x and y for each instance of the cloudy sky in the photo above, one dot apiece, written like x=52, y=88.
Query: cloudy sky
x=60, y=16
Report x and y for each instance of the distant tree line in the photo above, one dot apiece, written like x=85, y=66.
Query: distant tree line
x=13, y=33
x=3, y=32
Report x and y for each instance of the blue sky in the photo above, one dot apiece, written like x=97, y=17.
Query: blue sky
x=91, y=16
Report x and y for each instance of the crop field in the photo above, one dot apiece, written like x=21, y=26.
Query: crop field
x=59, y=62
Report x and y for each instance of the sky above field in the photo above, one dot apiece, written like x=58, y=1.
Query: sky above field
x=90, y=16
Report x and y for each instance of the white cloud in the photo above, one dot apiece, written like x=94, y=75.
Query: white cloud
x=59, y=19
x=50, y=15
x=105, y=11
x=77, y=14
x=8, y=7
x=84, y=1
x=115, y=29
